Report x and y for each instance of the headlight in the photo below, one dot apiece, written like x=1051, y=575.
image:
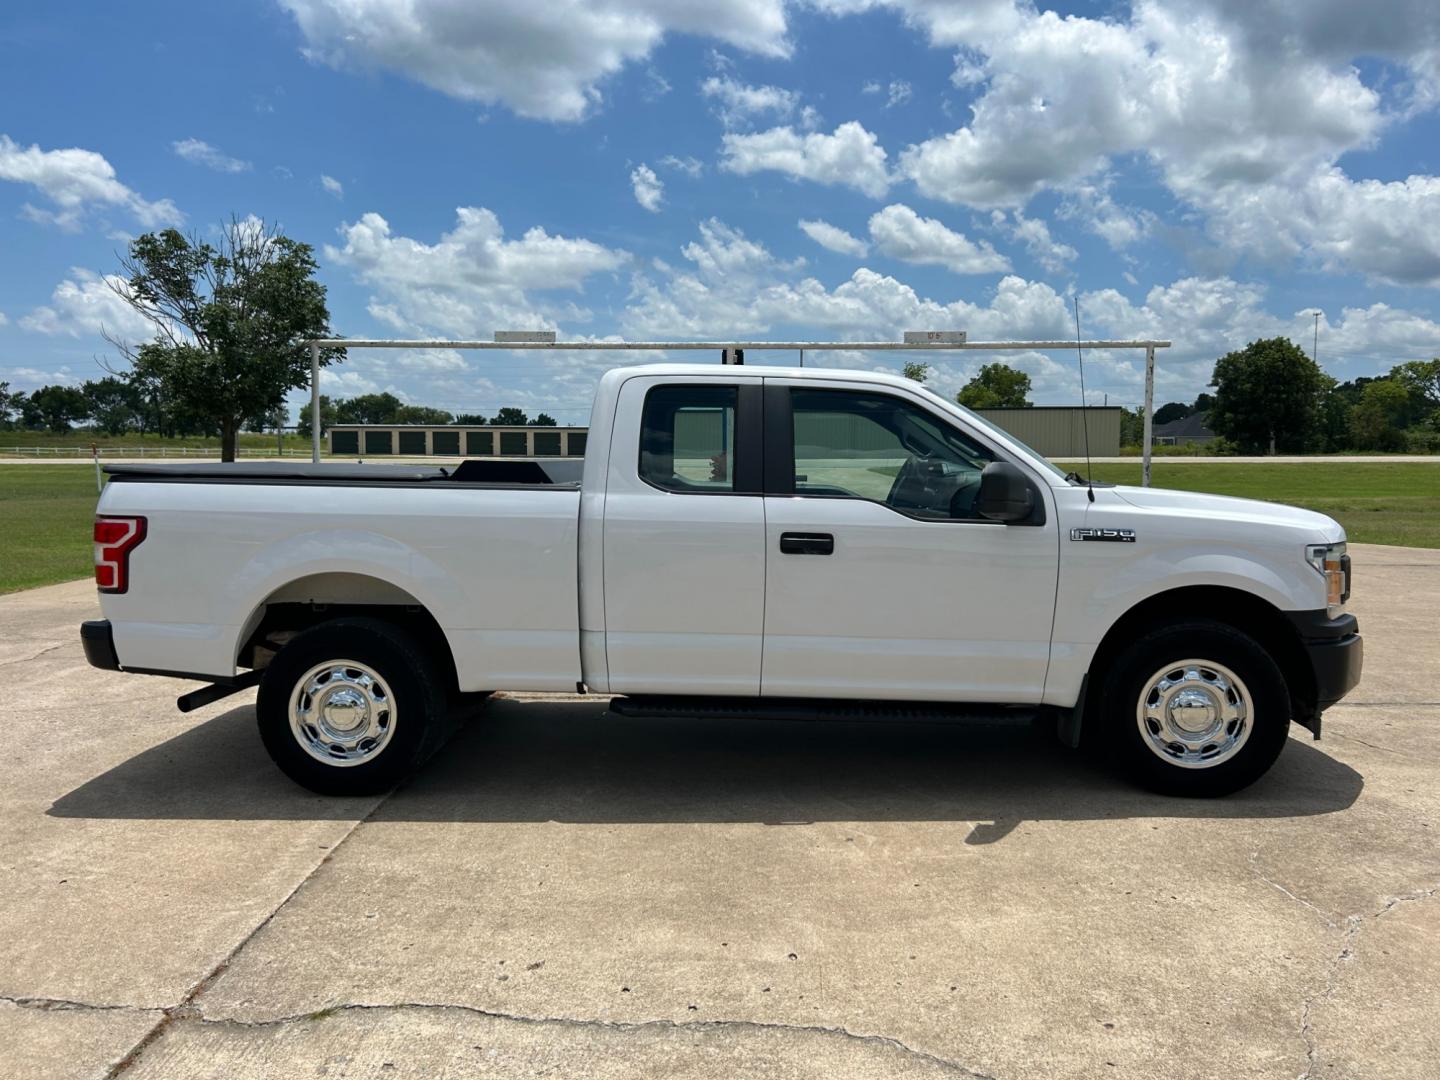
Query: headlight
x=1333, y=564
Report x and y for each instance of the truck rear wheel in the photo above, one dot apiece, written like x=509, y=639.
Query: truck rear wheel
x=350, y=707
x=1197, y=708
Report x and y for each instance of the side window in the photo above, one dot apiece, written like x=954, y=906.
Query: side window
x=857, y=445
x=687, y=438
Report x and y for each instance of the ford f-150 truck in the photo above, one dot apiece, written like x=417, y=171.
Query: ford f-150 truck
x=760, y=541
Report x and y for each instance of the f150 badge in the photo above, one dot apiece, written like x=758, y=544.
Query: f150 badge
x=1112, y=536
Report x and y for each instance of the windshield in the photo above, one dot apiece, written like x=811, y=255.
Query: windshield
x=995, y=429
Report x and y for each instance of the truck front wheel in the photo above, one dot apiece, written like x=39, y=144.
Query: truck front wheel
x=1195, y=708
x=349, y=707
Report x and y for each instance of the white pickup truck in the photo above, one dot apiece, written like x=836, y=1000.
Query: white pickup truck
x=755, y=541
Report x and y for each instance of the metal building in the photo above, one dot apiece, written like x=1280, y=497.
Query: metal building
x=454, y=440
x=1059, y=430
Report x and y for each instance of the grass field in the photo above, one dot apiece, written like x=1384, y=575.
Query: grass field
x=1378, y=502
x=45, y=518
x=46, y=510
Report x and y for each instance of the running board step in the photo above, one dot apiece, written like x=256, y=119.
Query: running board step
x=653, y=706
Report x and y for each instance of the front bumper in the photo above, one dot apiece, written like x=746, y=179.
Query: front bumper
x=1336, y=654
x=99, y=644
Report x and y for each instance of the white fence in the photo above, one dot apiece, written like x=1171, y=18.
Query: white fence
x=142, y=451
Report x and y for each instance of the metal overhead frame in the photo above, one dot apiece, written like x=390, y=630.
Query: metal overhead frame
x=734, y=351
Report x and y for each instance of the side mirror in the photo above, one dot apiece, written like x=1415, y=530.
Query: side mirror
x=1005, y=493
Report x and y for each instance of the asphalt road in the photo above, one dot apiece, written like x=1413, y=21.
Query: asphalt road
x=564, y=892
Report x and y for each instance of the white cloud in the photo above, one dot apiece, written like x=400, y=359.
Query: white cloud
x=738, y=104
x=649, y=189
x=333, y=186
x=1244, y=110
x=1034, y=234
x=871, y=87
x=850, y=156
x=86, y=304
x=199, y=152
x=472, y=279
x=3, y=319
x=690, y=166
x=77, y=181
x=834, y=238
x=903, y=234
x=898, y=93
x=542, y=60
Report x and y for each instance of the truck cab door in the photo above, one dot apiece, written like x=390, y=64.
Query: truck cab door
x=883, y=582
x=684, y=536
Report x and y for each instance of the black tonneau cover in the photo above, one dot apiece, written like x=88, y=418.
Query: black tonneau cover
x=524, y=472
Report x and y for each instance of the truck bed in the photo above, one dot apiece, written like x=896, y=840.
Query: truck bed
x=475, y=472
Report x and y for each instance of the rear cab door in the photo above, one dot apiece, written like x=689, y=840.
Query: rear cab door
x=684, y=536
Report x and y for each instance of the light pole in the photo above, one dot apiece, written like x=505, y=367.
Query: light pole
x=1315, y=344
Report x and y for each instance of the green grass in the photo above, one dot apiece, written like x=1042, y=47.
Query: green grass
x=1378, y=502
x=47, y=511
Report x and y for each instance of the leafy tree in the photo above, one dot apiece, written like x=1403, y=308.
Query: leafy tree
x=511, y=417
x=543, y=420
x=421, y=414
x=914, y=369
x=1422, y=379
x=997, y=386
x=327, y=417
x=470, y=419
x=1132, y=427
x=1172, y=410
x=367, y=409
x=9, y=405
x=1267, y=396
x=59, y=406
x=1203, y=403
x=115, y=405
x=1378, y=421
x=230, y=320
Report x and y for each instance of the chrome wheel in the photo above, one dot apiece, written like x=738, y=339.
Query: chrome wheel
x=342, y=713
x=1194, y=714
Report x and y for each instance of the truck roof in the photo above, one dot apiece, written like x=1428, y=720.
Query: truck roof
x=883, y=378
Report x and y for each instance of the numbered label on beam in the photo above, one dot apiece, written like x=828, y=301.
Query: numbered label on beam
x=934, y=337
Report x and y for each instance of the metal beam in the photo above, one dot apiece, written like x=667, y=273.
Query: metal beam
x=315, y=402
x=713, y=346
x=1149, y=416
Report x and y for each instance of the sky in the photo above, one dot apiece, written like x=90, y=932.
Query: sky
x=1204, y=171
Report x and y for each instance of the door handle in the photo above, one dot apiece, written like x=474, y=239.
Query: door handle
x=807, y=544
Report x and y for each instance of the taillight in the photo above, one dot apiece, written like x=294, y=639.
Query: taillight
x=115, y=538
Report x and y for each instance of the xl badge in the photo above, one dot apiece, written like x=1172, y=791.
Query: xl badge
x=1112, y=536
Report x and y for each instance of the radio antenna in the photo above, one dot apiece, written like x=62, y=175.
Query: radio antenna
x=1084, y=412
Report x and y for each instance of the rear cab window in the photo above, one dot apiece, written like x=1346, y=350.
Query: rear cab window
x=687, y=438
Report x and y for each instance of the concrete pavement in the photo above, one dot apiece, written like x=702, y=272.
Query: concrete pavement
x=562, y=891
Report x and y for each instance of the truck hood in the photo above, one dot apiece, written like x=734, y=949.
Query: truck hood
x=1251, y=511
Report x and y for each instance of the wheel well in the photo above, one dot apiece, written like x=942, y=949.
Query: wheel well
x=307, y=602
x=1244, y=611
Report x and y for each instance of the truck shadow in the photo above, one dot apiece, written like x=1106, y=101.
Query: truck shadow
x=577, y=762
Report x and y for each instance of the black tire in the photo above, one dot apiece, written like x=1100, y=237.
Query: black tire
x=415, y=691
x=1268, y=715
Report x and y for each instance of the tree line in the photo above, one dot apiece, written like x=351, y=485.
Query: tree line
x=386, y=408
x=1269, y=397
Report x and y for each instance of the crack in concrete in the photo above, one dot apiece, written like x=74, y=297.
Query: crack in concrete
x=170, y=1014
x=1353, y=925
x=49, y=1004
x=196, y=1014
x=1255, y=869
x=35, y=656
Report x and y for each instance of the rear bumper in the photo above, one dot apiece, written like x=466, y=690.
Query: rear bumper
x=1336, y=654
x=99, y=643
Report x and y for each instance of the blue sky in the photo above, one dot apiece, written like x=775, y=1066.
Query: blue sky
x=1202, y=171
